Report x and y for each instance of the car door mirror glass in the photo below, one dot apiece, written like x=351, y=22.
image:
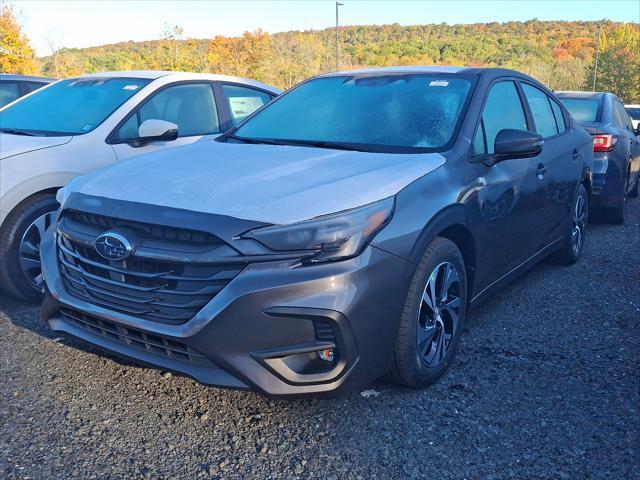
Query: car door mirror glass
x=512, y=143
x=157, y=130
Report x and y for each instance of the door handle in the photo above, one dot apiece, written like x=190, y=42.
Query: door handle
x=576, y=154
x=542, y=169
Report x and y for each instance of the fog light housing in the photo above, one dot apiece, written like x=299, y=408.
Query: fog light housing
x=328, y=355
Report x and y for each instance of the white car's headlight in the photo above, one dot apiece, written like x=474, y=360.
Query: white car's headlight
x=62, y=194
x=331, y=237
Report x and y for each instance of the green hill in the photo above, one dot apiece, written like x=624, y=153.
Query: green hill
x=560, y=54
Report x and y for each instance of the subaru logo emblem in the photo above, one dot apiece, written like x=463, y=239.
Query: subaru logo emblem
x=113, y=246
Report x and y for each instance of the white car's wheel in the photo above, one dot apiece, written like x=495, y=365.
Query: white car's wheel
x=20, y=237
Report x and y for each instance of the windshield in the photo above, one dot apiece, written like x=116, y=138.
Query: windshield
x=383, y=113
x=584, y=110
x=69, y=107
x=634, y=112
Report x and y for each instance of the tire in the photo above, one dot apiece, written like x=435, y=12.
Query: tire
x=19, y=226
x=415, y=345
x=572, y=250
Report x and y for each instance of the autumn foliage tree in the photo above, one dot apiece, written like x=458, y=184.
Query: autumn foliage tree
x=557, y=53
x=619, y=62
x=16, y=55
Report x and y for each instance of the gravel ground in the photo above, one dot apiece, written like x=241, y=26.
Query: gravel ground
x=546, y=385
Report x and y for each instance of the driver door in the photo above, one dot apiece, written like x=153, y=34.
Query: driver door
x=191, y=106
x=512, y=199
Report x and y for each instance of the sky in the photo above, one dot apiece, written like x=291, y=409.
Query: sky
x=96, y=22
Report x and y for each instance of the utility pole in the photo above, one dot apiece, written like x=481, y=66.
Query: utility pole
x=338, y=4
x=595, y=68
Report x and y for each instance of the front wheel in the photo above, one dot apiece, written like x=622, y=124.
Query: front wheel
x=20, y=237
x=572, y=250
x=432, y=318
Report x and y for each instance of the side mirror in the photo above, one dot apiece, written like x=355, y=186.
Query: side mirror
x=153, y=130
x=511, y=143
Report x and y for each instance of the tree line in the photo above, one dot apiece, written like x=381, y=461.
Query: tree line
x=560, y=54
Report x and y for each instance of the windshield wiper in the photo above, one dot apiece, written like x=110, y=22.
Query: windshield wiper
x=265, y=141
x=17, y=131
x=325, y=144
x=306, y=143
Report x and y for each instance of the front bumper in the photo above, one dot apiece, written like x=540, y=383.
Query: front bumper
x=263, y=330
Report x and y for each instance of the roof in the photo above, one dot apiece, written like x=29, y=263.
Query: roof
x=25, y=78
x=403, y=69
x=432, y=69
x=155, y=74
x=576, y=94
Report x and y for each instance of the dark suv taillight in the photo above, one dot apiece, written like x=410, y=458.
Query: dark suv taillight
x=604, y=143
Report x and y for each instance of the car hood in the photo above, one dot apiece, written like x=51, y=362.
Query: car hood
x=12, y=145
x=267, y=183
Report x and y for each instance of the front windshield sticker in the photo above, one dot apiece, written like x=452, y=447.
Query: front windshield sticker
x=88, y=127
x=131, y=87
x=438, y=83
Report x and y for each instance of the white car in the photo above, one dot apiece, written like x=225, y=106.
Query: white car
x=77, y=125
x=634, y=113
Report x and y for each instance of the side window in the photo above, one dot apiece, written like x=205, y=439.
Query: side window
x=243, y=101
x=503, y=109
x=557, y=112
x=616, y=114
x=32, y=86
x=541, y=110
x=9, y=91
x=192, y=107
x=624, y=117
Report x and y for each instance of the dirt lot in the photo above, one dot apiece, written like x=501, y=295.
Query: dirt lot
x=546, y=385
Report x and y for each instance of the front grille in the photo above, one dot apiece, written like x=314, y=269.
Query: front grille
x=163, y=291
x=136, y=338
x=150, y=231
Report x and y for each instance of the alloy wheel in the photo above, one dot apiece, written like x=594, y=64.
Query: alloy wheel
x=29, y=250
x=439, y=314
x=579, y=224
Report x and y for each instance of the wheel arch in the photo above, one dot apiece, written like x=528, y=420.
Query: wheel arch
x=586, y=181
x=34, y=186
x=451, y=223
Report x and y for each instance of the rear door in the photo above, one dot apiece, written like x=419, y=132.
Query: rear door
x=513, y=199
x=560, y=160
x=191, y=106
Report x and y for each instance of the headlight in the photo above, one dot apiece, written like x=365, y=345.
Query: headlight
x=61, y=195
x=331, y=237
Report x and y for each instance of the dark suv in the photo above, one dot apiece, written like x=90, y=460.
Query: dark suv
x=341, y=232
x=616, y=166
